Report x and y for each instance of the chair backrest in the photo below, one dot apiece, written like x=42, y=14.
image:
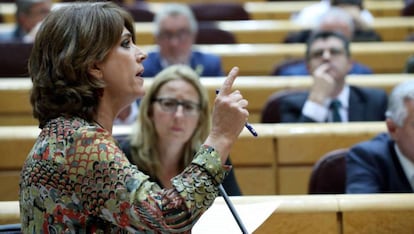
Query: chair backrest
x=209, y=33
x=329, y=173
x=219, y=11
x=139, y=11
x=14, y=57
x=278, y=68
x=271, y=110
x=408, y=9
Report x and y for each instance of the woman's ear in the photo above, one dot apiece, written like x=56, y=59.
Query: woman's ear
x=95, y=71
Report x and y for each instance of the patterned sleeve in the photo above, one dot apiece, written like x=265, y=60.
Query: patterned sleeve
x=122, y=195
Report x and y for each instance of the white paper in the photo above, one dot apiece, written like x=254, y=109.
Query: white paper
x=219, y=219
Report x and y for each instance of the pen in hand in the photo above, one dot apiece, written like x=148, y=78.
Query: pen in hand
x=247, y=124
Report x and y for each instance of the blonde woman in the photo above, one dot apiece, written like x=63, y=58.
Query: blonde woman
x=174, y=120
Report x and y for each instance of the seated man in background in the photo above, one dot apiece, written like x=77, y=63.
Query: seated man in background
x=385, y=164
x=336, y=19
x=175, y=33
x=28, y=14
x=330, y=99
x=309, y=16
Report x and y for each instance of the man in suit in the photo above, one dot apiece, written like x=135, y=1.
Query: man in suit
x=29, y=13
x=175, y=33
x=330, y=99
x=385, y=164
x=335, y=19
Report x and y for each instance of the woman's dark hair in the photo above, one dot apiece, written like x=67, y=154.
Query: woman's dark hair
x=70, y=41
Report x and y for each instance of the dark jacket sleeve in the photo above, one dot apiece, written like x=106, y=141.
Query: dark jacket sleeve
x=373, y=167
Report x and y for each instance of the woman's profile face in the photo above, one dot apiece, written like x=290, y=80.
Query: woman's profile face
x=176, y=111
x=122, y=69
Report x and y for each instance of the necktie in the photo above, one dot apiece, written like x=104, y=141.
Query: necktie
x=334, y=106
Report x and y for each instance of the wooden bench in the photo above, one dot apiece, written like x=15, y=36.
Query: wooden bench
x=309, y=214
x=285, y=9
x=15, y=108
x=279, y=161
x=260, y=59
x=258, y=9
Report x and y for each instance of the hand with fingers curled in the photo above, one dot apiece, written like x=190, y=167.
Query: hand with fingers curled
x=324, y=84
x=229, y=116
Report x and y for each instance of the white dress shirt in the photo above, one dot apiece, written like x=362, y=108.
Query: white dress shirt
x=321, y=113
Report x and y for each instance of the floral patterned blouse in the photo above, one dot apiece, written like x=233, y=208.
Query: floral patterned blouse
x=77, y=180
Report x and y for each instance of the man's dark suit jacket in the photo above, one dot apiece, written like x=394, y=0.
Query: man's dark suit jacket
x=365, y=104
x=373, y=167
x=204, y=64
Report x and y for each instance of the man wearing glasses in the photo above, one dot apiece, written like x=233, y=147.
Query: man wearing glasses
x=175, y=32
x=330, y=99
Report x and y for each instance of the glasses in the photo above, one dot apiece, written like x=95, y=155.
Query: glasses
x=170, y=105
x=180, y=35
x=334, y=52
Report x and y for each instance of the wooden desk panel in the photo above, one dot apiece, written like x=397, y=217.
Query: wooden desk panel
x=285, y=9
x=382, y=214
x=258, y=9
x=310, y=213
x=274, y=31
x=15, y=108
x=260, y=59
x=260, y=165
x=304, y=144
x=293, y=179
x=9, y=181
x=256, y=180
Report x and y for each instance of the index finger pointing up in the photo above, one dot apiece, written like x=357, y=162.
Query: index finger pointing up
x=228, y=83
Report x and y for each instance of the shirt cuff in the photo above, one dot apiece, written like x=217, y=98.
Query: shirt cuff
x=208, y=158
x=315, y=111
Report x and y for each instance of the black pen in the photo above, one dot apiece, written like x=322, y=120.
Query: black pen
x=247, y=124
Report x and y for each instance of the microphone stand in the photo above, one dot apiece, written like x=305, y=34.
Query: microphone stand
x=232, y=209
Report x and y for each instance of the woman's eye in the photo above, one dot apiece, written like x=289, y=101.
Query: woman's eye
x=126, y=43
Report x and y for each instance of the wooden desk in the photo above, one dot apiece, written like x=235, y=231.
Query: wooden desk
x=279, y=161
x=260, y=59
x=284, y=9
x=15, y=108
x=275, y=31
x=310, y=214
x=258, y=9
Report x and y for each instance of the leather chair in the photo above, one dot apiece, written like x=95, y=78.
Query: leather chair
x=329, y=173
x=139, y=11
x=408, y=9
x=14, y=57
x=219, y=11
x=277, y=69
x=208, y=33
x=271, y=110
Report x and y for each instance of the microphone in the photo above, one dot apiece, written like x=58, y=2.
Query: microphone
x=232, y=209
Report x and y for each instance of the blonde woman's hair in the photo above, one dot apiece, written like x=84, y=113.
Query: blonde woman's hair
x=144, y=137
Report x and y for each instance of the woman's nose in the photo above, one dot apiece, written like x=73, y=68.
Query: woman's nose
x=141, y=55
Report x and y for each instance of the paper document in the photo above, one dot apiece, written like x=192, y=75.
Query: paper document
x=218, y=218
